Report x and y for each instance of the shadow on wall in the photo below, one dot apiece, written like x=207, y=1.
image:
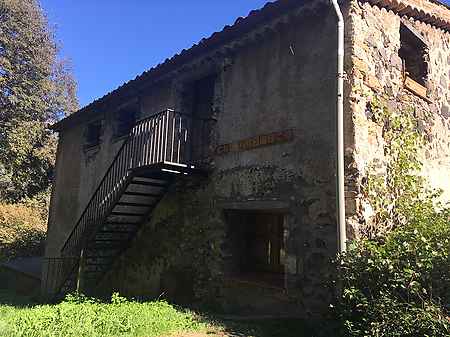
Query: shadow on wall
x=20, y=278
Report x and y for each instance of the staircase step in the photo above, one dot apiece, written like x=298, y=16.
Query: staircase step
x=116, y=232
x=126, y=214
x=99, y=258
x=105, y=246
x=98, y=255
x=122, y=223
x=147, y=183
x=132, y=204
x=95, y=269
x=92, y=274
x=111, y=236
x=168, y=170
x=108, y=240
x=96, y=264
x=118, y=228
x=141, y=194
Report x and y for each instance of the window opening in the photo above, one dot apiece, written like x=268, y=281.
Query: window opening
x=203, y=92
x=204, y=96
x=125, y=122
x=93, y=134
x=413, y=52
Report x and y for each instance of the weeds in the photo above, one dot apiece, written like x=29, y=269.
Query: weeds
x=81, y=316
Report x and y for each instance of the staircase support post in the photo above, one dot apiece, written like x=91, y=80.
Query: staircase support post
x=80, y=273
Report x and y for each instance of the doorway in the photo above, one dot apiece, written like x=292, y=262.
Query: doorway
x=256, y=247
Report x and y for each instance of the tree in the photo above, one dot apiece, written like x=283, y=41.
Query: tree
x=36, y=89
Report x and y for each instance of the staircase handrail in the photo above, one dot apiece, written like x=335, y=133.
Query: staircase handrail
x=138, y=129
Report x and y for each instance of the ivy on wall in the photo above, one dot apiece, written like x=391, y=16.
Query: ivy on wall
x=398, y=188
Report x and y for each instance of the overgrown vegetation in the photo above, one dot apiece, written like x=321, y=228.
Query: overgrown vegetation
x=395, y=187
x=36, y=89
x=399, y=286
x=396, y=281
x=80, y=316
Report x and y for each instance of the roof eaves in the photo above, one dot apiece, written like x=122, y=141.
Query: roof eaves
x=437, y=16
x=228, y=33
x=241, y=26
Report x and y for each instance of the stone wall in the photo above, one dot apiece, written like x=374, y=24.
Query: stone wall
x=375, y=71
x=282, y=77
x=268, y=85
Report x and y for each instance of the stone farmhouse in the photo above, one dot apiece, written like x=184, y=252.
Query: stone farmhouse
x=212, y=177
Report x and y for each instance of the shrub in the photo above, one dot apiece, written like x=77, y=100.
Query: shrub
x=399, y=285
x=396, y=280
x=22, y=229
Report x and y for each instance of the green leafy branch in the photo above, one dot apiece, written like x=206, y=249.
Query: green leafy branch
x=400, y=188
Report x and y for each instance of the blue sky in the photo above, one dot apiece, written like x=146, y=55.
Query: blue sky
x=112, y=41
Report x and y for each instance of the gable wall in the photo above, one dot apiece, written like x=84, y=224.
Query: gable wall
x=284, y=81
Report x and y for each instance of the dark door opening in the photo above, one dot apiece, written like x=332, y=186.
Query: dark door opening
x=255, y=241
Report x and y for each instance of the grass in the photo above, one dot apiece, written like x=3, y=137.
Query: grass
x=85, y=317
x=82, y=317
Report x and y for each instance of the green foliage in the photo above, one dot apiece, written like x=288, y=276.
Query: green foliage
x=396, y=281
x=143, y=319
x=80, y=316
x=395, y=191
x=35, y=89
x=399, y=286
x=26, y=161
x=22, y=229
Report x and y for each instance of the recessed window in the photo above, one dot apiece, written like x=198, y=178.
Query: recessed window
x=256, y=246
x=125, y=122
x=414, y=53
x=93, y=134
x=203, y=93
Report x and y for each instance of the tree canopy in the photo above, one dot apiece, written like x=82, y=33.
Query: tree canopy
x=36, y=88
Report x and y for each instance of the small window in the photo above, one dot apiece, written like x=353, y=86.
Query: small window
x=125, y=122
x=93, y=134
x=414, y=54
x=202, y=109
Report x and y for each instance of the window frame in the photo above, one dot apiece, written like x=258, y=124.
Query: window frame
x=411, y=82
x=118, y=134
x=89, y=141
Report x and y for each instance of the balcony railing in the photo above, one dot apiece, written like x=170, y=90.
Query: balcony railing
x=161, y=138
x=164, y=138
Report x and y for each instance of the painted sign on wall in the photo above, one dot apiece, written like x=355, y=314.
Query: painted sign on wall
x=256, y=142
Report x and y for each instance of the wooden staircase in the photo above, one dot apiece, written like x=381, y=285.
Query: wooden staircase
x=157, y=151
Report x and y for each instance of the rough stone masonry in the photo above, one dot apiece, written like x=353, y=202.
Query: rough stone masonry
x=377, y=71
x=272, y=76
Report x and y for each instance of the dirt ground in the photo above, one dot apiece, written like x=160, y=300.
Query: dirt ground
x=265, y=328
x=208, y=334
